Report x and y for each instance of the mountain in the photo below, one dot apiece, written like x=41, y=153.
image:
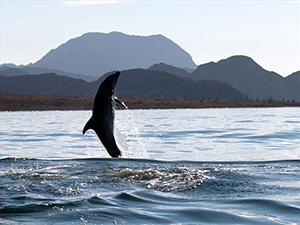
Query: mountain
x=9, y=65
x=248, y=77
x=293, y=83
x=38, y=70
x=169, y=69
x=94, y=54
x=159, y=84
x=43, y=84
x=294, y=77
x=132, y=83
x=10, y=70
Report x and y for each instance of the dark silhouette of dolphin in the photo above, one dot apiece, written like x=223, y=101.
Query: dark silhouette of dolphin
x=102, y=120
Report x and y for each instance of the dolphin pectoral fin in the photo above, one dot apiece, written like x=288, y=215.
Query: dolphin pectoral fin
x=88, y=126
x=120, y=102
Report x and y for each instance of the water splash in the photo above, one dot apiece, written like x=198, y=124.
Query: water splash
x=128, y=138
x=165, y=178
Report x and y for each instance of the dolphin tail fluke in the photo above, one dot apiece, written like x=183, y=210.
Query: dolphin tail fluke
x=88, y=126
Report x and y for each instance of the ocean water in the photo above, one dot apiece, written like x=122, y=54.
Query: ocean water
x=187, y=166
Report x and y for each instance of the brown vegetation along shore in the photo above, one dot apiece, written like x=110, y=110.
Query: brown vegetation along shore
x=46, y=102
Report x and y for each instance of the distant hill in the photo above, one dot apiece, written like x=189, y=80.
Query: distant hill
x=94, y=54
x=43, y=84
x=9, y=65
x=132, y=83
x=159, y=84
x=249, y=78
x=293, y=85
x=11, y=70
x=170, y=69
x=38, y=70
x=294, y=77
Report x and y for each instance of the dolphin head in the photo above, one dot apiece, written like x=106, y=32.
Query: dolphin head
x=109, y=84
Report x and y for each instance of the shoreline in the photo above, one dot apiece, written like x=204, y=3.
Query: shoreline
x=49, y=102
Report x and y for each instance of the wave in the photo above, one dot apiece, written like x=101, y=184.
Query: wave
x=269, y=205
x=152, y=161
x=140, y=206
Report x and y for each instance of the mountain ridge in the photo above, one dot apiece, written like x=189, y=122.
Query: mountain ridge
x=240, y=72
x=132, y=83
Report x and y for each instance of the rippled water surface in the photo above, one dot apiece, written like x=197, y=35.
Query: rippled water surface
x=200, y=166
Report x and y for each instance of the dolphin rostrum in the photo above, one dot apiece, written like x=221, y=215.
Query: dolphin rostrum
x=102, y=120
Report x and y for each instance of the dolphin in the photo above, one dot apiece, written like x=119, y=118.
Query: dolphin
x=102, y=120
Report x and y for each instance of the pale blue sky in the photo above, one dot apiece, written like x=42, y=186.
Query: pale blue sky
x=267, y=31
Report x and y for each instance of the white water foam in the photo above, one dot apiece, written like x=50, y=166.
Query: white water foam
x=127, y=136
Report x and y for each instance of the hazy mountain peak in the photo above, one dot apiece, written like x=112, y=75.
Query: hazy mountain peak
x=97, y=53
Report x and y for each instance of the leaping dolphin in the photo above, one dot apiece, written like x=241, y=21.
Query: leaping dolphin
x=102, y=120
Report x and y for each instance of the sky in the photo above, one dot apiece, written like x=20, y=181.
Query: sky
x=267, y=31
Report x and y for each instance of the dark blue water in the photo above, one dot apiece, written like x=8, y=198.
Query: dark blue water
x=126, y=191
x=180, y=167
